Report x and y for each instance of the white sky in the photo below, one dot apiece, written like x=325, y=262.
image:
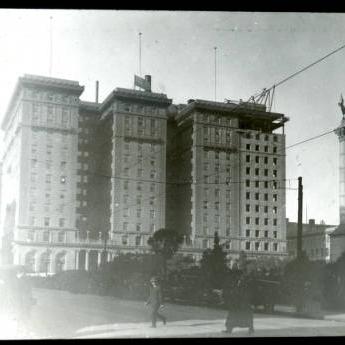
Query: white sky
x=255, y=50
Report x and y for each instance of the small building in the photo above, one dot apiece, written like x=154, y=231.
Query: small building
x=337, y=241
x=316, y=240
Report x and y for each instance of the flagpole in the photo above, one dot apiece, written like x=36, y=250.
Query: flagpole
x=51, y=46
x=140, y=53
x=215, y=74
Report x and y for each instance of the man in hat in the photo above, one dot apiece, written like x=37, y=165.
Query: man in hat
x=155, y=301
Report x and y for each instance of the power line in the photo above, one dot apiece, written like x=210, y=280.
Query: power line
x=309, y=139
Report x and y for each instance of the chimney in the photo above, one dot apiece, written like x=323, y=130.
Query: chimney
x=148, y=80
x=97, y=88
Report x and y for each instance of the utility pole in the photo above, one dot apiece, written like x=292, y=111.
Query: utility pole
x=300, y=219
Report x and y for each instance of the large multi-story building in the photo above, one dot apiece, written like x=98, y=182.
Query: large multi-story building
x=85, y=179
x=229, y=168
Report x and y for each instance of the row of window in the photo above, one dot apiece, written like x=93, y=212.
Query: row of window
x=141, y=122
x=139, y=186
x=258, y=209
x=257, y=221
x=138, y=240
x=49, y=96
x=265, y=184
x=48, y=164
x=258, y=196
x=139, y=146
x=259, y=159
x=213, y=154
x=129, y=158
x=259, y=136
x=152, y=173
x=265, y=172
x=138, y=227
x=49, y=115
x=250, y=147
x=46, y=236
x=217, y=119
x=138, y=108
x=259, y=233
x=48, y=178
x=47, y=222
x=256, y=246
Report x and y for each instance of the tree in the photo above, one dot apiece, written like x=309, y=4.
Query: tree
x=214, y=264
x=165, y=243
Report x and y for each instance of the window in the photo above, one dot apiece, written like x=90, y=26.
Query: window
x=257, y=245
x=257, y=208
x=256, y=171
x=61, y=222
x=275, y=138
x=125, y=226
x=266, y=233
x=247, y=208
x=266, y=148
x=266, y=221
x=153, y=174
x=266, y=160
x=139, y=186
x=274, y=149
x=257, y=233
x=247, y=220
x=266, y=172
x=247, y=171
x=275, y=247
x=138, y=227
x=31, y=235
x=247, y=195
x=124, y=240
x=275, y=209
x=275, y=222
x=266, y=184
x=274, y=173
x=257, y=137
x=275, y=234
x=46, y=236
x=257, y=221
x=257, y=196
x=275, y=197
x=61, y=236
x=46, y=221
x=248, y=158
x=266, y=209
x=137, y=240
x=247, y=233
x=248, y=147
x=257, y=147
x=247, y=245
x=274, y=161
x=257, y=159
x=266, y=197
x=216, y=193
x=152, y=214
x=266, y=137
x=247, y=183
x=266, y=246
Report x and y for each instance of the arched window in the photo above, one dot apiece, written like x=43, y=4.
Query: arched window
x=45, y=262
x=60, y=261
x=30, y=261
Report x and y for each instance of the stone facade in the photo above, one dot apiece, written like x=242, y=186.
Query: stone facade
x=83, y=181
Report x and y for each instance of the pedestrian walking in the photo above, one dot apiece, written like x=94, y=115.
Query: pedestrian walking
x=240, y=313
x=155, y=301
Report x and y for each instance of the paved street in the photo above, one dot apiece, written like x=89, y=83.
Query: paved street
x=60, y=314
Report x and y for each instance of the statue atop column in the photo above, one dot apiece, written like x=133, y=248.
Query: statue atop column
x=341, y=105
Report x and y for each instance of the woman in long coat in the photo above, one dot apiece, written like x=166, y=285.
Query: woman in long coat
x=240, y=313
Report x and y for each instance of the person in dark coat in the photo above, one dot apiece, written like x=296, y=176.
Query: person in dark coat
x=155, y=301
x=240, y=313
